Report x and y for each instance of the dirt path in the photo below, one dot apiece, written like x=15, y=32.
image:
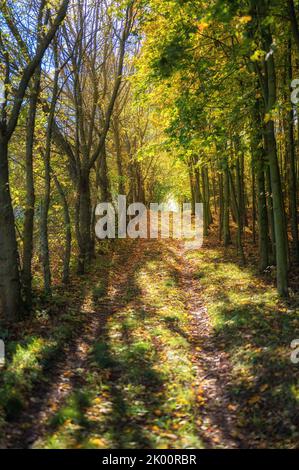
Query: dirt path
x=216, y=421
x=132, y=356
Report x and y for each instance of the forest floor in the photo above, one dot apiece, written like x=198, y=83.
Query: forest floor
x=156, y=348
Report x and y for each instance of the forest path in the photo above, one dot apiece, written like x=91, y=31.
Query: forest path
x=142, y=369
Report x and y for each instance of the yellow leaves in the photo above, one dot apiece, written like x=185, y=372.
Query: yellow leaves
x=176, y=426
x=202, y=26
x=68, y=373
x=97, y=442
x=245, y=19
x=231, y=407
x=64, y=386
x=53, y=407
x=257, y=398
x=68, y=423
x=258, y=55
x=272, y=115
x=97, y=401
x=199, y=397
x=163, y=446
x=179, y=414
x=267, y=118
x=155, y=429
x=183, y=402
x=254, y=400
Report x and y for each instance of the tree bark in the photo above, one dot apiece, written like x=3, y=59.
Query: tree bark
x=278, y=213
x=292, y=177
x=68, y=232
x=226, y=204
x=294, y=22
x=117, y=142
x=268, y=84
x=239, y=220
x=10, y=287
x=84, y=213
x=30, y=194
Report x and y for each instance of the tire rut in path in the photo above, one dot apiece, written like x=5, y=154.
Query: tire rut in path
x=216, y=423
x=64, y=376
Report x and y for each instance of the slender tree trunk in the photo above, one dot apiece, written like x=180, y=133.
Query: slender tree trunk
x=258, y=166
x=239, y=220
x=44, y=238
x=10, y=286
x=270, y=97
x=117, y=142
x=272, y=251
x=233, y=209
x=103, y=177
x=68, y=232
x=226, y=205
x=30, y=194
x=214, y=192
x=84, y=213
x=262, y=219
x=208, y=195
x=243, y=192
x=205, y=204
x=193, y=196
x=197, y=186
x=278, y=213
x=292, y=168
x=45, y=202
x=198, y=196
x=294, y=22
x=253, y=191
x=239, y=194
x=221, y=206
x=263, y=229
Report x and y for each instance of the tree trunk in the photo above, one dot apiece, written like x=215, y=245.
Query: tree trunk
x=278, y=213
x=45, y=202
x=262, y=212
x=44, y=238
x=226, y=204
x=272, y=251
x=68, y=232
x=103, y=177
x=221, y=206
x=270, y=97
x=294, y=22
x=253, y=190
x=239, y=195
x=208, y=195
x=84, y=208
x=239, y=220
x=191, y=179
x=10, y=287
x=30, y=195
x=292, y=169
x=121, y=179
